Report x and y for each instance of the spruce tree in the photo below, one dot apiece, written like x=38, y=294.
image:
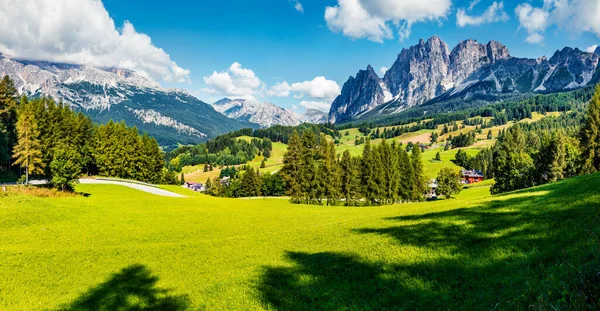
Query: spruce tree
x=8, y=120
x=292, y=165
x=406, y=175
x=27, y=152
x=590, y=136
x=350, y=178
x=419, y=185
x=369, y=185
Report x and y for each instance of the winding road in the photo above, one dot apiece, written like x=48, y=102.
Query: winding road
x=138, y=186
x=149, y=189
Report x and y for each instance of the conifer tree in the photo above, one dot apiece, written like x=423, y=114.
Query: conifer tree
x=292, y=165
x=182, y=179
x=419, y=185
x=27, y=152
x=369, y=184
x=590, y=136
x=350, y=178
x=406, y=175
x=8, y=120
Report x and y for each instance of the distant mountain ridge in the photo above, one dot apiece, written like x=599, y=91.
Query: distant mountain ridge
x=266, y=114
x=430, y=70
x=172, y=116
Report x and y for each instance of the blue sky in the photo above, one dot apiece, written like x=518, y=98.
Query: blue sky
x=278, y=42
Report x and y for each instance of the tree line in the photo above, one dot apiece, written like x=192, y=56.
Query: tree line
x=551, y=149
x=48, y=140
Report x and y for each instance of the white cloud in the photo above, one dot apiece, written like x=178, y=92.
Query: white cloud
x=494, y=13
x=319, y=88
x=318, y=105
x=236, y=81
x=533, y=20
x=383, y=70
x=473, y=4
x=575, y=16
x=535, y=38
x=297, y=5
x=375, y=19
x=591, y=49
x=80, y=32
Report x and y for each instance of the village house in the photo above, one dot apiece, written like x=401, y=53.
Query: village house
x=195, y=186
x=471, y=176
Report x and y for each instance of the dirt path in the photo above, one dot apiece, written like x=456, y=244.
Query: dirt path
x=148, y=189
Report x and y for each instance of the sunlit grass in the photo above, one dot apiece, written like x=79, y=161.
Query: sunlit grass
x=529, y=249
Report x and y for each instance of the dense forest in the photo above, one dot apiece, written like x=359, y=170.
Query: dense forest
x=45, y=139
x=313, y=174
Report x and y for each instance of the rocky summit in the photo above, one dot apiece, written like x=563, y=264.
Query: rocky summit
x=266, y=114
x=170, y=115
x=430, y=70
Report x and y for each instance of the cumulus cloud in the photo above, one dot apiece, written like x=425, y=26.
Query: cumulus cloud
x=297, y=6
x=383, y=70
x=494, y=13
x=473, y=4
x=533, y=20
x=376, y=19
x=318, y=88
x=591, y=49
x=235, y=81
x=574, y=16
x=80, y=32
x=318, y=105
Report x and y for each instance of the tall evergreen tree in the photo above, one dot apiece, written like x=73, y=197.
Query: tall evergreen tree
x=8, y=120
x=350, y=178
x=419, y=185
x=369, y=183
x=292, y=165
x=590, y=136
x=27, y=152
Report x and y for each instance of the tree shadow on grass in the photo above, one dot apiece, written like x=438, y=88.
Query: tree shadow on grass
x=133, y=288
x=536, y=249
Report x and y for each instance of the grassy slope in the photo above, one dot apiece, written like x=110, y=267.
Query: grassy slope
x=194, y=173
x=476, y=252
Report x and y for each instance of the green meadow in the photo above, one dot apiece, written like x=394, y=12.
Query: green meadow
x=113, y=247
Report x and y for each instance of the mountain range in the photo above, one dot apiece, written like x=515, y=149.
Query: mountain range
x=266, y=114
x=430, y=71
x=172, y=116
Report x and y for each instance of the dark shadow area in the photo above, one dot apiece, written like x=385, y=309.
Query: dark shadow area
x=536, y=250
x=133, y=288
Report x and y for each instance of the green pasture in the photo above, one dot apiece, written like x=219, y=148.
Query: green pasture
x=118, y=248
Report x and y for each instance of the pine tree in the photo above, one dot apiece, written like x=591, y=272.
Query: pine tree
x=182, y=179
x=369, y=184
x=419, y=185
x=292, y=165
x=8, y=120
x=350, y=178
x=590, y=136
x=406, y=175
x=27, y=152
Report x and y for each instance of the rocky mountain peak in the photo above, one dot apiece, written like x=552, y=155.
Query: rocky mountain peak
x=496, y=51
x=597, y=51
x=429, y=70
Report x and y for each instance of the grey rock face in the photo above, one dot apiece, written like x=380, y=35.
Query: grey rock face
x=170, y=115
x=429, y=70
x=264, y=114
x=358, y=95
